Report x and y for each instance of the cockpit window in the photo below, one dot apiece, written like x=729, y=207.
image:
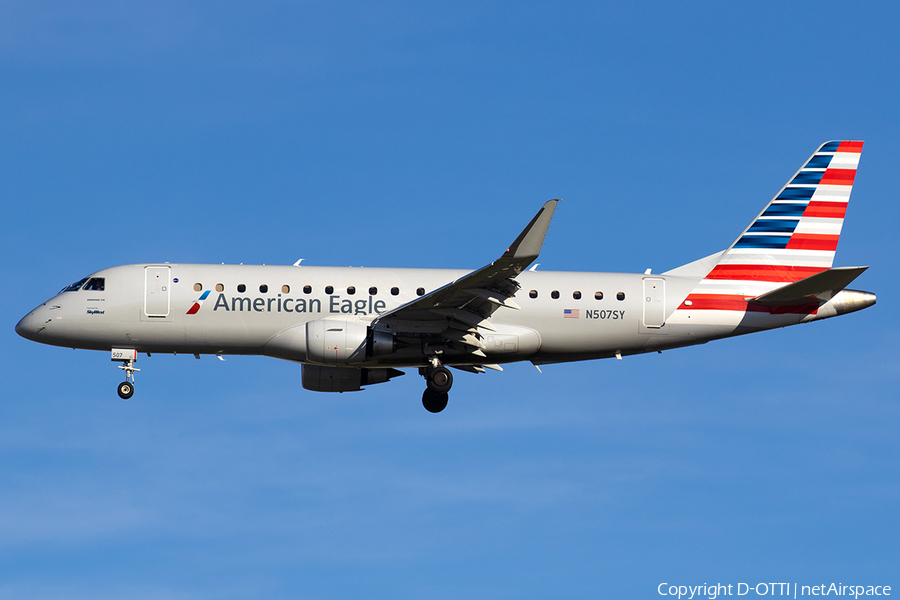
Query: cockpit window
x=96, y=284
x=74, y=287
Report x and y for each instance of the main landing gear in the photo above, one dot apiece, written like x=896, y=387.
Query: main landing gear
x=439, y=380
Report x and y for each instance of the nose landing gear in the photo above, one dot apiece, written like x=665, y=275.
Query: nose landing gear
x=127, y=358
x=439, y=380
x=126, y=388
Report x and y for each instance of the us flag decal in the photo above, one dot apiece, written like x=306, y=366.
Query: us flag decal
x=570, y=313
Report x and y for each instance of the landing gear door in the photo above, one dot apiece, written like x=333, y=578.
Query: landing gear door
x=654, y=302
x=157, y=285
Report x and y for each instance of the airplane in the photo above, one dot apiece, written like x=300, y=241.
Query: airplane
x=354, y=327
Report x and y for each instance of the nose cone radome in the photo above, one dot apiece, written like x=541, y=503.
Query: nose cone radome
x=23, y=327
x=27, y=326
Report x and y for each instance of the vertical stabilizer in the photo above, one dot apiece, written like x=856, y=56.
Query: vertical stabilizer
x=794, y=237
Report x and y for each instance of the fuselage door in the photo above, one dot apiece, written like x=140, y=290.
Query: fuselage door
x=156, y=291
x=654, y=302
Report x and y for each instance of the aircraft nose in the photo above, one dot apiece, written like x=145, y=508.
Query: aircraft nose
x=27, y=326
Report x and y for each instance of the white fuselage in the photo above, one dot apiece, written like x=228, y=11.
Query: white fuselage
x=572, y=316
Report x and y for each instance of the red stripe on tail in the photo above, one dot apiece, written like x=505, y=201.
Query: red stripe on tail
x=838, y=177
x=762, y=272
x=830, y=210
x=850, y=147
x=813, y=241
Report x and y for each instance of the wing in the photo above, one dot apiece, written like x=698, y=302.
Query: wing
x=457, y=311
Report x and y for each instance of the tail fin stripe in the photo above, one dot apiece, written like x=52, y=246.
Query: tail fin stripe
x=774, y=226
x=819, y=161
x=796, y=194
x=807, y=178
x=845, y=160
x=763, y=241
x=838, y=177
x=826, y=226
x=763, y=272
x=754, y=256
x=834, y=193
x=849, y=147
x=786, y=210
x=832, y=210
x=811, y=241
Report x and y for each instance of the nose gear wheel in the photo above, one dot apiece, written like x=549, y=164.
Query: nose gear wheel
x=126, y=390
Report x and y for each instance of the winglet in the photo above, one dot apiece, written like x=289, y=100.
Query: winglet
x=529, y=242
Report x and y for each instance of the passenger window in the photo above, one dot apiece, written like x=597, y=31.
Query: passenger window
x=285, y=289
x=373, y=291
x=329, y=289
x=242, y=288
x=532, y=294
x=263, y=289
x=554, y=294
x=620, y=296
x=598, y=295
x=576, y=295
x=351, y=290
x=74, y=287
x=307, y=289
x=95, y=284
x=220, y=287
x=420, y=291
x=395, y=291
x=198, y=287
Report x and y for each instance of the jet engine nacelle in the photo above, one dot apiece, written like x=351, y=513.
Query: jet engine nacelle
x=343, y=379
x=330, y=342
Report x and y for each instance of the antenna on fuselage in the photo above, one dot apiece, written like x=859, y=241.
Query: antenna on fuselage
x=297, y=264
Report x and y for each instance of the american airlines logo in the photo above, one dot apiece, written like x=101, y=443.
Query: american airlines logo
x=198, y=303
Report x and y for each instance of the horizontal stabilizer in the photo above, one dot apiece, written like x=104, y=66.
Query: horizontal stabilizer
x=819, y=287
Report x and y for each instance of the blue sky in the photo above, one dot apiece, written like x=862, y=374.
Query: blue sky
x=408, y=134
